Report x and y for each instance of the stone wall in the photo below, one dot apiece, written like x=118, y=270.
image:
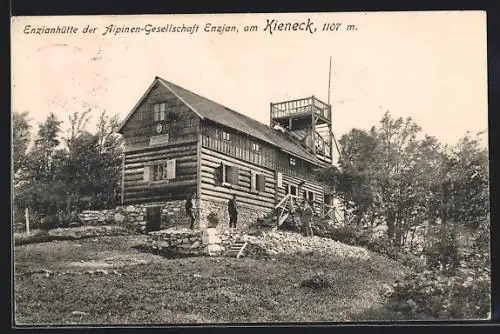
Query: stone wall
x=247, y=216
x=173, y=214
x=175, y=242
x=178, y=242
x=134, y=216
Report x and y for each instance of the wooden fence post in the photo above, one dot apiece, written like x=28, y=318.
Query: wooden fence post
x=26, y=214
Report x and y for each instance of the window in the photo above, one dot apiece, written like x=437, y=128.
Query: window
x=308, y=195
x=292, y=161
x=291, y=189
x=226, y=174
x=159, y=110
x=256, y=147
x=160, y=171
x=258, y=182
x=226, y=136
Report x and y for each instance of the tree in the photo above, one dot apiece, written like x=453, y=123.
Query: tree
x=356, y=182
x=93, y=166
x=386, y=174
x=43, y=163
x=469, y=183
x=20, y=139
x=83, y=173
x=110, y=147
x=78, y=123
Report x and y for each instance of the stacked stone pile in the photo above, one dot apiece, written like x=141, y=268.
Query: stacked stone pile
x=288, y=242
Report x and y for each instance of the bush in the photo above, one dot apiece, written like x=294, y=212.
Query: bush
x=364, y=237
x=318, y=281
x=410, y=260
x=49, y=222
x=434, y=294
x=442, y=250
x=346, y=234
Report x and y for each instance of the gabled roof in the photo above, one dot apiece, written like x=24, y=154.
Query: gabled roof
x=215, y=112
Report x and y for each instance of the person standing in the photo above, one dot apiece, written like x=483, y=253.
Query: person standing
x=232, y=209
x=306, y=218
x=190, y=209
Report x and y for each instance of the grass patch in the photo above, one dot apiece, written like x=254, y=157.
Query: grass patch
x=189, y=290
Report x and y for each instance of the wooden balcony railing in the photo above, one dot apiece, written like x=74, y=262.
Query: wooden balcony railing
x=300, y=106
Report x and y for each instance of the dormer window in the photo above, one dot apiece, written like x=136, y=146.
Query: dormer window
x=159, y=110
x=292, y=161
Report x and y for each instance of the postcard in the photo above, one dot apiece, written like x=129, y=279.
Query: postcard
x=250, y=168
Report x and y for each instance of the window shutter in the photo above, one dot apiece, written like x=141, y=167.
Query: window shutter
x=253, y=180
x=311, y=196
x=262, y=182
x=147, y=173
x=218, y=174
x=280, y=179
x=234, y=175
x=171, y=164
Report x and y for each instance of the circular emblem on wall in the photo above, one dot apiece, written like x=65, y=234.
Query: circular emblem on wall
x=159, y=127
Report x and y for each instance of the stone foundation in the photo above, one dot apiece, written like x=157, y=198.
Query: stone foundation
x=173, y=214
x=247, y=216
x=134, y=216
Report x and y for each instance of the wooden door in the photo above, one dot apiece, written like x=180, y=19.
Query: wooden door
x=153, y=218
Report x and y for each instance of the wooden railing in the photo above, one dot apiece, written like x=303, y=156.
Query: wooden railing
x=306, y=105
x=290, y=204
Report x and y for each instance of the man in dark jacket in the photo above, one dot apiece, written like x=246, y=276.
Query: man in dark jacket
x=305, y=219
x=232, y=208
x=190, y=209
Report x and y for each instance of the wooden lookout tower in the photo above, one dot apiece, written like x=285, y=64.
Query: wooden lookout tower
x=309, y=121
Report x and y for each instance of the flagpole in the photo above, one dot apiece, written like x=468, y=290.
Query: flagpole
x=329, y=79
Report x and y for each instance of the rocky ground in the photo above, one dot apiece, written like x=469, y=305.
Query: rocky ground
x=273, y=243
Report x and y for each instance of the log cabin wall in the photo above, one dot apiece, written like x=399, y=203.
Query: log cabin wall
x=151, y=150
x=308, y=190
x=241, y=146
x=229, y=165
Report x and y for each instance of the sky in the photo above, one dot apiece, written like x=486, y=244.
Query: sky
x=430, y=66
